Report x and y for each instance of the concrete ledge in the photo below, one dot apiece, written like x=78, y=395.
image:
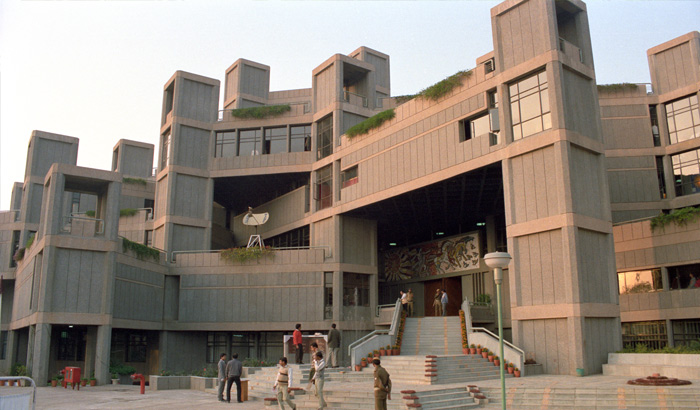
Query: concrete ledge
x=681, y=366
x=533, y=369
x=181, y=383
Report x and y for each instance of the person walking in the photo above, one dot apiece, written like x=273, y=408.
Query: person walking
x=282, y=383
x=298, y=343
x=437, y=305
x=234, y=368
x=333, y=345
x=222, y=375
x=382, y=386
x=444, y=300
x=409, y=302
x=403, y=300
x=314, y=348
x=319, y=378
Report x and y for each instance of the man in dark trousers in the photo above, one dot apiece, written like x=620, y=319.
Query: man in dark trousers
x=233, y=373
x=382, y=386
x=334, y=345
x=298, y=343
x=222, y=375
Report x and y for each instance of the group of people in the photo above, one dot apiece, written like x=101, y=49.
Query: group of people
x=382, y=382
x=333, y=344
x=230, y=373
x=440, y=301
x=407, y=301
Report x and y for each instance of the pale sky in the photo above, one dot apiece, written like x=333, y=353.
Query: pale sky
x=95, y=70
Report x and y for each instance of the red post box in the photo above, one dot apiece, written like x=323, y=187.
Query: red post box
x=71, y=375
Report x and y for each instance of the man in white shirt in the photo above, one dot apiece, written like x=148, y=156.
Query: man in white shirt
x=319, y=378
x=444, y=301
x=282, y=383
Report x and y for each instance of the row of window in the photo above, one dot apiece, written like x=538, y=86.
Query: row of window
x=655, y=335
x=296, y=138
x=651, y=280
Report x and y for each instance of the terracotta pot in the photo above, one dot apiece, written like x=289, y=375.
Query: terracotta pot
x=382, y=352
x=358, y=367
x=2, y=382
x=490, y=357
x=83, y=383
x=10, y=382
x=485, y=355
x=465, y=350
x=510, y=370
x=496, y=362
x=472, y=350
x=478, y=351
x=516, y=373
x=394, y=352
x=54, y=383
x=93, y=382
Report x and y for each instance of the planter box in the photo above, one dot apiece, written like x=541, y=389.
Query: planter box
x=533, y=369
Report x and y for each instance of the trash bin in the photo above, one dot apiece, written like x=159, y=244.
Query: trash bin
x=244, y=389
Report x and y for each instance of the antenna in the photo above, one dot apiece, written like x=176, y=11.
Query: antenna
x=252, y=219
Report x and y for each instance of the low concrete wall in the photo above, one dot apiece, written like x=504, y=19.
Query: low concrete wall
x=182, y=382
x=681, y=366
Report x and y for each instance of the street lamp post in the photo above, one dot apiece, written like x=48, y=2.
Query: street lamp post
x=498, y=261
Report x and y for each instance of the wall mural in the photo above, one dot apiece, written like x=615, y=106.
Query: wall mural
x=433, y=258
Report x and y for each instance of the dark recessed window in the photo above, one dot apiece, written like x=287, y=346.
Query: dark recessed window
x=324, y=132
x=275, y=140
x=300, y=138
x=349, y=176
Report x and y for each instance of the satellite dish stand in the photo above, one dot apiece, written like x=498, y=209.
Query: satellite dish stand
x=252, y=219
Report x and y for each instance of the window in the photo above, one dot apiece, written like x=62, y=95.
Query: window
x=115, y=158
x=300, y=136
x=489, y=66
x=225, y=144
x=683, y=119
x=654, y=125
x=529, y=103
x=660, y=177
x=324, y=187
x=216, y=344
x=684, y=277
x=651, y=334
x=249, y=142
x=686, y=331
x=355, y=289
x=165, y=151
x=137, y=347
x=148, y=238
x=3, y=345
x=324, y=139
x=475, y=127
x=328, y=295
x=275, y=140
x=349, y=176
x=75, y=203
x=686, y=172
x=294, y=238
x=71, y=344
x=643, y=281
x=14, y=246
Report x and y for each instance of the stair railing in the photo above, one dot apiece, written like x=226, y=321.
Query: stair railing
x=375, y=339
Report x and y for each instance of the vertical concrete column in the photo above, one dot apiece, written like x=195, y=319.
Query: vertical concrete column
x=111, y=210
x=51, y=206
x=490, y=234
x=669, y=333
x=337, y=296
x=90, y=344
x=163, y=339
x=11, y=352
x=102, y=353
x=41, y=352
x=30, y=347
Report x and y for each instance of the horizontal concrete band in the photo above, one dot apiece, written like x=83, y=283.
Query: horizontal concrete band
x=565, y=310
x=558, y=222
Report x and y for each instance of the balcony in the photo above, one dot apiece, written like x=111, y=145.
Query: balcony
x=303, y=255
x=82, y=226
x=570, y=50
x=355, y=99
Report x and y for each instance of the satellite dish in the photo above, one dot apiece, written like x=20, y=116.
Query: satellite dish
x=252, y=219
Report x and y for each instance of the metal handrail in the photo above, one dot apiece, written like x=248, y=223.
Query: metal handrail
x=381, y=307
x=347, y=94
x=395, y=319
x=33, y=386
x=324, y=247
x=391, y=331
x=514, y=347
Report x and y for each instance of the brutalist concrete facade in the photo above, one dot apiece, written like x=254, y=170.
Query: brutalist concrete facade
x=518, y=158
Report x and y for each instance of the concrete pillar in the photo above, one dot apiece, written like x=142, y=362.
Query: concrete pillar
x=669, y=333
x=163, y=349
x=90, y=345
x=11, y=352
x=337, y=296
x=41, y=352
x=102, y=353
x=30, y=346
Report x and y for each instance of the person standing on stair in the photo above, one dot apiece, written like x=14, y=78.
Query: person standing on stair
x=409, y=302
x=334, y=345
x=222, y=376
x=382, y=386
x=319, y=378
x=298, y=343
x=282, y=383
x=437, y=305
x=404, y=300
x=443, y=301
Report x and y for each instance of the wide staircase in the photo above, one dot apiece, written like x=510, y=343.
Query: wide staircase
x=431, y=369
x=432, y=336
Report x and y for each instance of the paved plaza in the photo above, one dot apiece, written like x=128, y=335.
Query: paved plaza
x=597, y=389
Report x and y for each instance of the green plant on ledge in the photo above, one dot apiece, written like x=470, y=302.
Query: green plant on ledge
x=142, y=251
x=441, y=88
x=370, y=123
x=245, y=254
x=139, y=181
x=680, y=217
x=30, y=241
x=128, y=212
x=260, y=112
x=19, y=255
x=616, y=87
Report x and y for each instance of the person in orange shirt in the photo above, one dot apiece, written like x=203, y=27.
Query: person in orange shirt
x=297, y=340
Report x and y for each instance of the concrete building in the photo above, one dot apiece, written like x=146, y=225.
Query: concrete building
x=414, y=202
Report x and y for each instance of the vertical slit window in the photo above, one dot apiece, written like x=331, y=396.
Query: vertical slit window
x=325, y=137
x=324, y=187
x=654, y=118
x=660, y=177
x=165, y=151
